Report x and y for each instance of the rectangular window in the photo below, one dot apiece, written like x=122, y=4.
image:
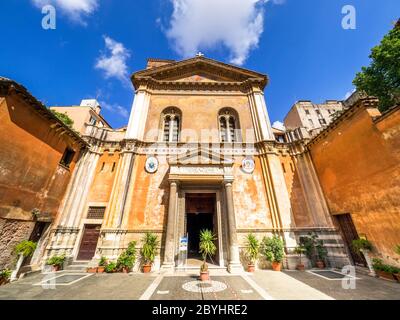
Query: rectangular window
x=113, y=167
x=283, y=167
x=92, y=120
x=307, y=112
x=96, y=212
x=322, y=121
x=311, y=122
x=67, y=157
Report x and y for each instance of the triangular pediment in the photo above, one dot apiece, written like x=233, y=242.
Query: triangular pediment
x=200, y=156
x=198, y=70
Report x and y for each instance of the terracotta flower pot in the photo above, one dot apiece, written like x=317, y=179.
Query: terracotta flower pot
x=251, y=268
x=56, y=268
x=276, y=266
x=320, y=264
x=91, y=270
x=125, y=270
x=300, y=267
x=386, y=275
x=204, y=276
x=147, y=268
x=100, y=269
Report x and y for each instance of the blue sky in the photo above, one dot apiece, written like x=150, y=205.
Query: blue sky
x=300, y=44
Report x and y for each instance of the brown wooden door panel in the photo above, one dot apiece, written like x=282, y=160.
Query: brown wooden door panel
x=89, y=241
x=349, y=232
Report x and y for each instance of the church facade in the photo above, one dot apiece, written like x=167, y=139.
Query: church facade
x=198, y=153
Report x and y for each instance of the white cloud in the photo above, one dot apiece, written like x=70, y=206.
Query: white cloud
x=75, y=9
x=115, y=108
x=205, y=24
x=278, y=125
x=113, y=62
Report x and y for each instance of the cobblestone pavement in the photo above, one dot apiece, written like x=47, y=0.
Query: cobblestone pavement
x=263, y=284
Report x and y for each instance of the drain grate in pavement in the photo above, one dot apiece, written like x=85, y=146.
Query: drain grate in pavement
x=63, y=280
x=330, y=274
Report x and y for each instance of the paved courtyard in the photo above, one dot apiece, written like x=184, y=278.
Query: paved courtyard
x=262, y=285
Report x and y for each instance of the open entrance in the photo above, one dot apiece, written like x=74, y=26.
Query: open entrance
x=200, y=215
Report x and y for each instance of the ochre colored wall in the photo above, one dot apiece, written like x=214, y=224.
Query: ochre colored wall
x=101, y=187
x=250, y=199
x=301, y=214
x=30, y=152
x=198, y=112
x=358, y=164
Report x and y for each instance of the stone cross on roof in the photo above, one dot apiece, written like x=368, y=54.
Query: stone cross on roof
x=200, y=54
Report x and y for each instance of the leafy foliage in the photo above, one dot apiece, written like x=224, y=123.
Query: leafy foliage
x=111, y=267
x=64, y=118
x=361, y=244
x=272, y=249
x=314, y=247
x=382, y=78
x=128, y=257
x=103, y=262
x=397, y=249
x=300, y=250
x=378, y=265
x=252, y=248
x=26, y=248
x=56, y=261
x=5, y=274
x=149, y=248
x=207, y=247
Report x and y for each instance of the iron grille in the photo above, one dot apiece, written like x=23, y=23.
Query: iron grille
x=96, y=212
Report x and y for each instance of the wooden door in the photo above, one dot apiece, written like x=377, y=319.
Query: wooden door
x=89, y=241
x=349, y=233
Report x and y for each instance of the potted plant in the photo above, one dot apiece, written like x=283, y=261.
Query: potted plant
x=300, y=250
x=363, y=247
x=397, y=250
x=102, y=264
x=23, y=250
x=321, y=254
x=5, y=276
x=272, y=249
x=149, y=250
x=252, y=251
x=125, y=262
x=111, y=267
x=385, y=271
x=57, y=262
x=207, y=249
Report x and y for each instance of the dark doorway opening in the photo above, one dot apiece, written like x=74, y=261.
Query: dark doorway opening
x=349, y=233
x=36, y=234
x=89, y=241
x=200, y=215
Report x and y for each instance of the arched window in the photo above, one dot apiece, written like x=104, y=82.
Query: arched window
x=229, y=125
x=171, y=121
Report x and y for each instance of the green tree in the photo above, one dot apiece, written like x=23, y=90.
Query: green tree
x=64, y=118
x=382, y=78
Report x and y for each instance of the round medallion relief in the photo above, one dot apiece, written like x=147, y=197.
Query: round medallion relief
x=151, y=165
x=248, y=165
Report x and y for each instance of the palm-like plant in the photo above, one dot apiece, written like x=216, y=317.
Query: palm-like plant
x=26, y=248
x=149, y=248
x=300, y=250
x=252, y=248
x=207, y=247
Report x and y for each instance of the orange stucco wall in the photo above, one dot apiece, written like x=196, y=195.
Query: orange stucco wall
x=358, y=164
x=30, y=175
x=198, y=113
x=106, y=169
